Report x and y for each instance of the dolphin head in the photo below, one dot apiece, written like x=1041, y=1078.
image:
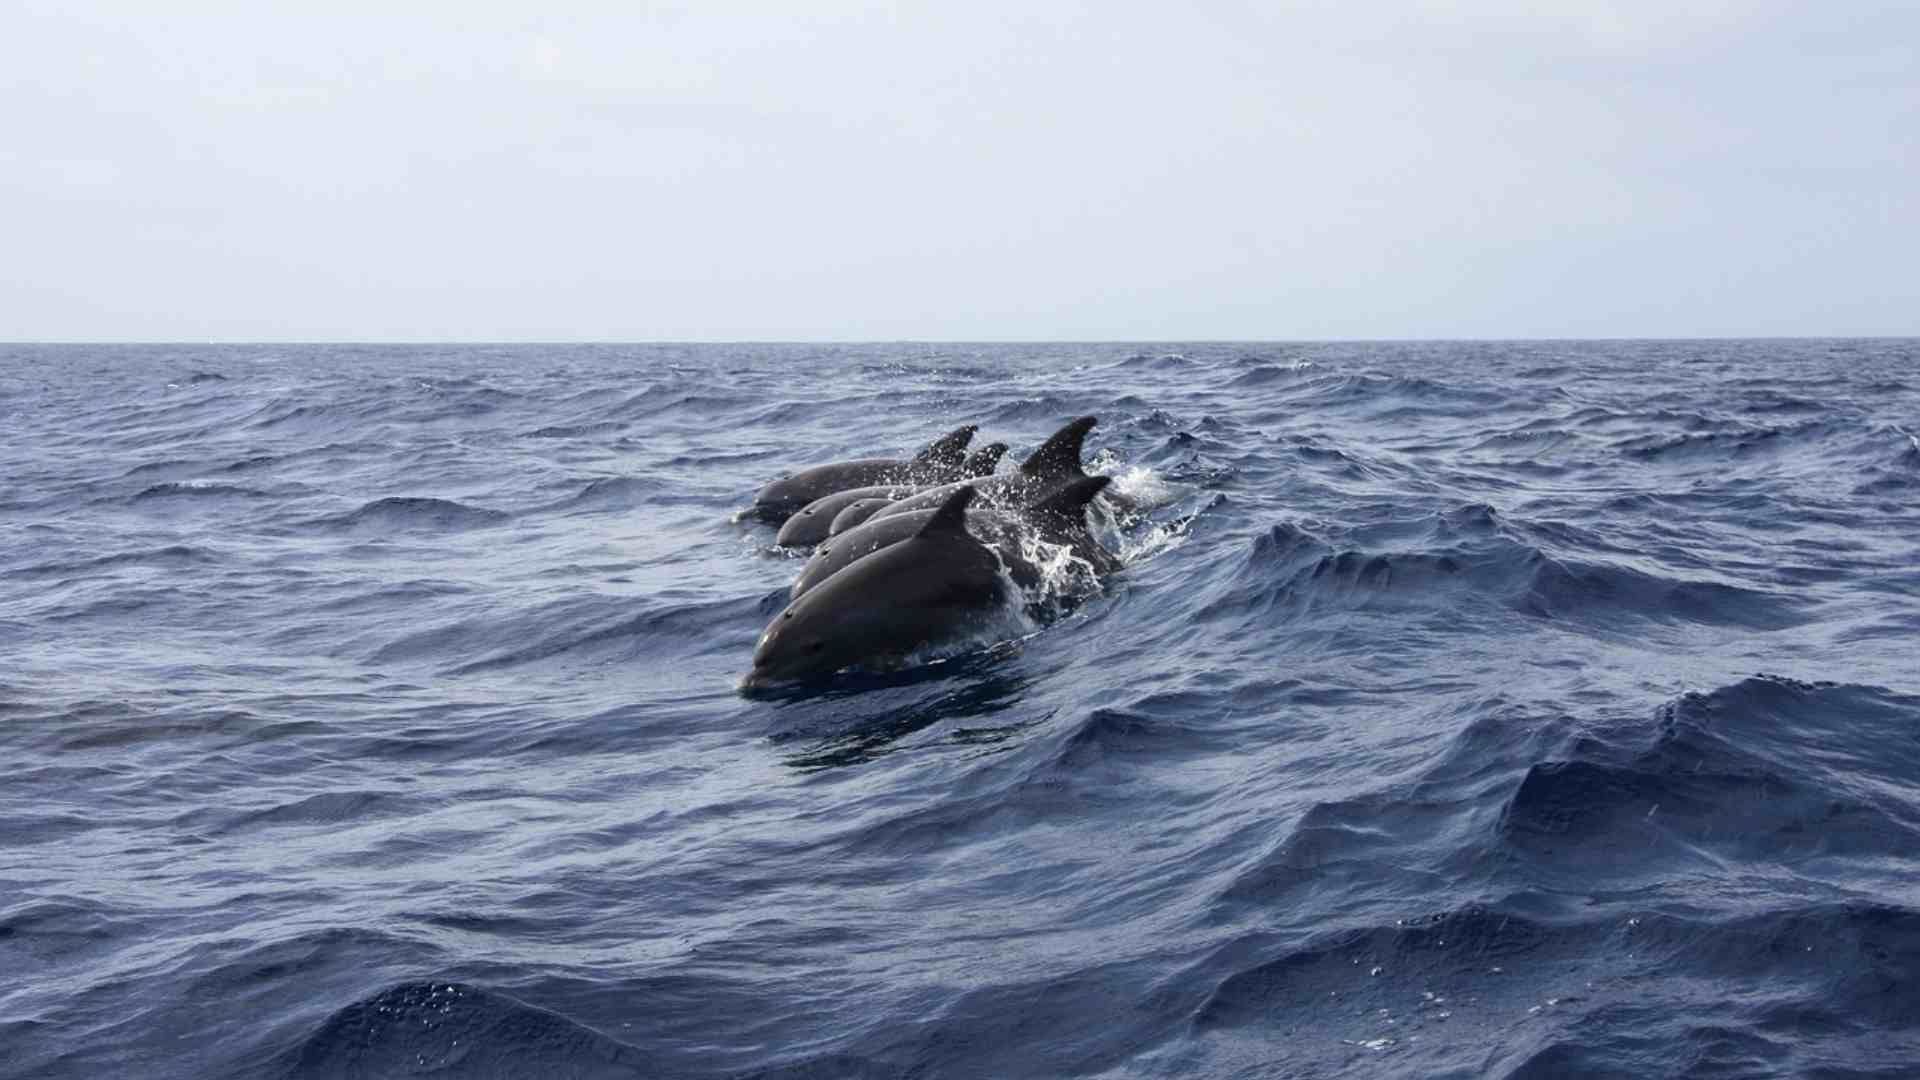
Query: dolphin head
x=813, y=641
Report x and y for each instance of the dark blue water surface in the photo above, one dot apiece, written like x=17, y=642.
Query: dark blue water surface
x=1464, y=710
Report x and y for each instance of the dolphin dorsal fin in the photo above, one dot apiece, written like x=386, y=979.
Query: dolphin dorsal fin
x=983, y=461
x=1058, y=458
x=1069, y=504
x=951, y=518
x=947, y=450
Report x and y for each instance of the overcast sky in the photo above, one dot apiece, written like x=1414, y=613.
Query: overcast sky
x=1040, y=170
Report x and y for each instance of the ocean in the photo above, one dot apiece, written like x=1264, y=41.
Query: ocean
x=1463, y=709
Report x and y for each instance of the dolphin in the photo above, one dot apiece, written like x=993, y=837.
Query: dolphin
x=939, y=463
x=984, y=461
x=1060, y=518
x=930, y=588
x=814, y=521
x=981, y=462
x=1054, y=464
x=856, y=514
x=811, y=523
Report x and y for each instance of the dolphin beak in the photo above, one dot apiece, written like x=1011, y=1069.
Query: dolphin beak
x=757, y=680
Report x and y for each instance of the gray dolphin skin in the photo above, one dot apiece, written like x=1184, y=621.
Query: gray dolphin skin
x=984, y=461
x=981, y=462
x=856, y=514
x=942, y=461
x=1060, y=518
x=931, y=588
x=814, y=521
x=1055, y=463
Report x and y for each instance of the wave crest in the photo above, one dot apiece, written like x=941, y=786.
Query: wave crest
x=415, y=514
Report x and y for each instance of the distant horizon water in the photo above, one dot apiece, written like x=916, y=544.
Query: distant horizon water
x=406, y=342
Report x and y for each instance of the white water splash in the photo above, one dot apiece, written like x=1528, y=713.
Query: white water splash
x=1138, y=547
x=1144, y=487
x=1065, y=578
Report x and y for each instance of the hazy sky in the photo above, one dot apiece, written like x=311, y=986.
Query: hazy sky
x=1040, y=170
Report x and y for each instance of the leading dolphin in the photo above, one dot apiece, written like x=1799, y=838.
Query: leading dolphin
x=942, y=461
x=931, y=588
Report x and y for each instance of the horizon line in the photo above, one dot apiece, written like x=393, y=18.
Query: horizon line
x=957, y=341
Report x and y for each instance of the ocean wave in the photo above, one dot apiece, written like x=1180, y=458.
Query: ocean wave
x=706, y=457
x=1027, y=412
x=1268, y=374
x=574, y=431
x=600, y=630
x=1600, y=996
x=123, y=725
x=1395, y=391
x=171, y=556
x=307, y=416
x=198, y=489
x=397, y=514
x=1785, y=403
x=170, y=465
x=613, y=493
x=1172, y=361
x=1768, y=770
x=1738, y=443
x=1289, y=572
x=1105, y=738
x=1638, y=423
x=327, y=809
x=1419, y=834
x=673, y=398
x=456, y=1030
x=43, y=935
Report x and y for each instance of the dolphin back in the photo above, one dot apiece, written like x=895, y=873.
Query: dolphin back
x=856, y=514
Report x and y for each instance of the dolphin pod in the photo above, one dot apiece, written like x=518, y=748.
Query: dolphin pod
x=814, y=521
x=941, y=461
x=1058, y=519
x=909, y=557
x=1056, y=463
x=856, y=514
